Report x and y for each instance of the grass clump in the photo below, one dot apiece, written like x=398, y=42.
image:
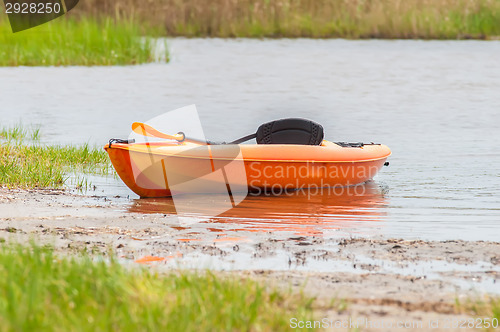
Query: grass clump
x=26, y=163
x=425, y=19
x=87, y=42
x=40, y=291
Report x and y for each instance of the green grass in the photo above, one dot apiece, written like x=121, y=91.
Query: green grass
x=19, y=133
x=26, y=163
x=426, y=19
x=87, y=42
x=40, y=291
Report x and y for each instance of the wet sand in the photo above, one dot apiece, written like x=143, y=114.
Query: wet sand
x=375, y=278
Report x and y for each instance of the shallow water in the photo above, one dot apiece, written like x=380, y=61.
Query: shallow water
x=435, y=103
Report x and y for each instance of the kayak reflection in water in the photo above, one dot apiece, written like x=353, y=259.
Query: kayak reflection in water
x=304, y=212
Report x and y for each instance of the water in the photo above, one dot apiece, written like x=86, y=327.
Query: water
x=435, y=103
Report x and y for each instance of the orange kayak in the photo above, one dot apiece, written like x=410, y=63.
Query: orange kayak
x=162, y=169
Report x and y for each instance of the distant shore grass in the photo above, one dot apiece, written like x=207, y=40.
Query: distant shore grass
x=87, y=42
x=416, y=19
x=40, y=291
x=26, y=163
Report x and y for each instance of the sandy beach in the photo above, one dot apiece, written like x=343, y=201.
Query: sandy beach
x=371, y=279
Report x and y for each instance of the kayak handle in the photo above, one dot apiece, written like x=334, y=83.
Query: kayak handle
x=121, y=141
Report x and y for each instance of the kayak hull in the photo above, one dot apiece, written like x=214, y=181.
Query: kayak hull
x=160, y=169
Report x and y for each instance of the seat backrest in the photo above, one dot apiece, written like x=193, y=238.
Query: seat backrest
x=290, y=131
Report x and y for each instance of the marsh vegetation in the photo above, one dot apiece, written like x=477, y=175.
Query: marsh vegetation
x=414, y=19
x=27, y=163
x=85, y=42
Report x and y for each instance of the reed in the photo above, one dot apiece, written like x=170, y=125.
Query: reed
x=26, y=163
x=426, y=19
x=88, y=42
x=43, y=292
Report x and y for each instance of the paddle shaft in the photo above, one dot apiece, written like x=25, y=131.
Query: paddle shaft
x=147, y=130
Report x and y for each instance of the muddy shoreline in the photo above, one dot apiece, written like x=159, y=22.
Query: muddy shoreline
x=376, y=278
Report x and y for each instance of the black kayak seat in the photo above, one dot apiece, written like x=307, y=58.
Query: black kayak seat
x=290, y=131
x=287, y=131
